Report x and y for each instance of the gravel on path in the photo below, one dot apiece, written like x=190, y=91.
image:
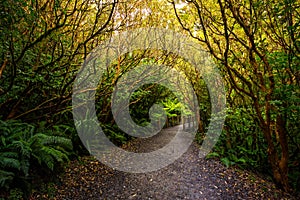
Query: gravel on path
x=189, y=177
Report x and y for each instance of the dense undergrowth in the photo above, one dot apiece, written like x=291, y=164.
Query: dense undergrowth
x=242, y=144
x=28, y=153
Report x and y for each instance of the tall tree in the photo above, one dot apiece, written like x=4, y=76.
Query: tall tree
x=257, y=45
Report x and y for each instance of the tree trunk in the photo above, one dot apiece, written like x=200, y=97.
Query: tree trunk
x=278, y=164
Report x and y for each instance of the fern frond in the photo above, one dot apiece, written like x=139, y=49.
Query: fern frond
x=25, y=166
x=21, y=146
x=60, y=141
x=9, y=154
x=56, y=154
x=49, y=161
x=3, y=140
x=46, y=140
x=6, y=177
x=6, y=162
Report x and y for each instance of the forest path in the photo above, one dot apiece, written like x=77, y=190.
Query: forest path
x=189, y=177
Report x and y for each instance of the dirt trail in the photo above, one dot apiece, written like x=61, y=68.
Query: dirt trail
x=189, y=177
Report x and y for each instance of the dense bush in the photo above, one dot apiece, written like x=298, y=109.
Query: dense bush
x=242, y=144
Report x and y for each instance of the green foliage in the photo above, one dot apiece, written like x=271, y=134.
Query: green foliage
x=241, y=141
x=286, y=102
x=25, y=149
x=15, y=193
x=147, y=96
x=115, y=134
x=172, y=107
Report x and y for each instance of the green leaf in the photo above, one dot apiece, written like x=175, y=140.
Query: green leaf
x=226, y=162
x=212, y=155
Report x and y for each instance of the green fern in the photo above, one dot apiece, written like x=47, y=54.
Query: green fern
x=47, y=140
x=49, y=150
x=22, y=146
x=7, y=162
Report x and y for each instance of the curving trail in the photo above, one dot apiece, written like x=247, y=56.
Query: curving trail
x=187, y=178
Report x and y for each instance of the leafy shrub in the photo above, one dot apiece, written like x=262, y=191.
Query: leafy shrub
x=241, y=142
